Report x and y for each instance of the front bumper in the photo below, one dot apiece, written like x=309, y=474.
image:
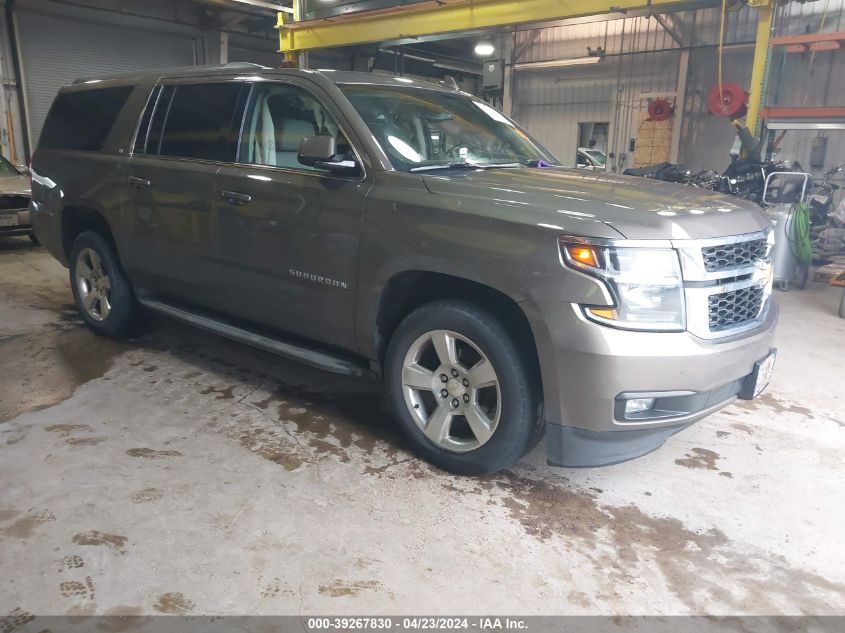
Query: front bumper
x=15, y=222
x=587, y=367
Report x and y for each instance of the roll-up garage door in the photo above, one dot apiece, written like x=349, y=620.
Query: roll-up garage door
x=56, y=50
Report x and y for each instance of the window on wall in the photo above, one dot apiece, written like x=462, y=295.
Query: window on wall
x=82, y=119
x=278, y=118
x=197, y=121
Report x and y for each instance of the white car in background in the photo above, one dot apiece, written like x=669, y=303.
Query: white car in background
x=587, y=158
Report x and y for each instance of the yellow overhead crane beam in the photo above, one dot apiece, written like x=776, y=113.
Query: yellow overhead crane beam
x=443, y=16
x=760, y=65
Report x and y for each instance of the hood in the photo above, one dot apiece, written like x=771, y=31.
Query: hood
x=14, y=186
x=637, y=208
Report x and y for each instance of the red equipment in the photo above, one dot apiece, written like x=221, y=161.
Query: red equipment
x=733, y=102
x=660, y=110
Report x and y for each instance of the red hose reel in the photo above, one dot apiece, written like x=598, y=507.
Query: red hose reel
x=733, y=102
x=660, y=110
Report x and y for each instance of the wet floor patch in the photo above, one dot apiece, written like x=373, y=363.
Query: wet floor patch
x=114, y=542
x=339, y=588
x=620, y=540
x=700, y=458
x=49, y=364
x=150, y=453
x=173, y=604
x=776, y=405
x=26, y=525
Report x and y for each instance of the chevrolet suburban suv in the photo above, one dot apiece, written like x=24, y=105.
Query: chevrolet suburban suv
x=387, y=227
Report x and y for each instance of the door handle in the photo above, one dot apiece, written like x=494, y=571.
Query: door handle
x=236, y=197
x=138, y=183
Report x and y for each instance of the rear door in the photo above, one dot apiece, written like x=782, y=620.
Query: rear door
x=188, y=131
x=288, y=235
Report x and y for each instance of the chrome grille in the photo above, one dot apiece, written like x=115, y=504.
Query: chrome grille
x=733, y=309
x=724, y=257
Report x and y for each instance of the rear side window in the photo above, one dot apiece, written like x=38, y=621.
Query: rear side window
x=82, y=120
x=196, y=122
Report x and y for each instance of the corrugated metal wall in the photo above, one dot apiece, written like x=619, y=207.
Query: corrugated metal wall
x=551, y=103
x=642, y=60
x=86, y=50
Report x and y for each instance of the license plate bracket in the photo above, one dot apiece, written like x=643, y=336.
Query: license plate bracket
x=9, y=219
x=757, y=381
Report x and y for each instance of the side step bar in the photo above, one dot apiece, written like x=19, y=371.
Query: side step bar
x=315, y=358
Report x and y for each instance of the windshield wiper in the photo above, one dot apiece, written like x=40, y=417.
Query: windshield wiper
x=463, y=165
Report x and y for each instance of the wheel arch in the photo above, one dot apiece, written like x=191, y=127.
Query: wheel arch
x=408, y=290
x=78, y=218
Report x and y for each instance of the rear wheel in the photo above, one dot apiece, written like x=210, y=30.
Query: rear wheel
x=462, y=389
x=101, y=291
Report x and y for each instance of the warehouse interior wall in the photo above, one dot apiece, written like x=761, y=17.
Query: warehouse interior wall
x=643, y=61
x=60, y=41
x=11, y=124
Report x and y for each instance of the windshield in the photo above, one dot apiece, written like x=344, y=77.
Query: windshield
x=597, y=156
x=7, y=169
x=427, y=129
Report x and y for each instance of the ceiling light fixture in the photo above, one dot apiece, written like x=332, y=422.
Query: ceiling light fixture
x=484, y=49
x=558, y=63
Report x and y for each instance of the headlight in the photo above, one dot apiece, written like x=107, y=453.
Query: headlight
x=645, y=284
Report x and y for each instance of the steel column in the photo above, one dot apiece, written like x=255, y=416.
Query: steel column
x=760, y=66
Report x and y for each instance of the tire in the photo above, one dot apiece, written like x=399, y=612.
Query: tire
x=34, y=239
x=506, y=411
x=842, y=305
x=114, y=309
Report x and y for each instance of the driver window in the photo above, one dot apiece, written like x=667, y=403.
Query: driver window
x=278, y=118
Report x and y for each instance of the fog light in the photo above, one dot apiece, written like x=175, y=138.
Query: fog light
x=638, y=405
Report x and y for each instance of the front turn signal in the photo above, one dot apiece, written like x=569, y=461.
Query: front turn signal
x=584, y=255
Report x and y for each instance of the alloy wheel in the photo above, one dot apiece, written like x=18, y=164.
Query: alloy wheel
x=451, y=390
x=93, y=284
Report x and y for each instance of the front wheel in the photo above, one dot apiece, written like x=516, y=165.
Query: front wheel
x=462, y=389
x=101, y=290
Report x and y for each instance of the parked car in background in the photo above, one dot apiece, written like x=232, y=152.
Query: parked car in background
x=387, y=227
x=586, y=158
x=14, y=201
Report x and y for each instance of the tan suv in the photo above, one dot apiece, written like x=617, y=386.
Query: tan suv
x=383, y=226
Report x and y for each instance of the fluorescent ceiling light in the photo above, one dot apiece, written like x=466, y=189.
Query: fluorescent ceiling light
x=266, y=5
x=558, y=63
x=484, y=49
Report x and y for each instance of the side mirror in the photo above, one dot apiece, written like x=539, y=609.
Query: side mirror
x=321, y=152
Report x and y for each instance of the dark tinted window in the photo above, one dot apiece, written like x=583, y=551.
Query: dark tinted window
x=82, y=120
x=199, y=122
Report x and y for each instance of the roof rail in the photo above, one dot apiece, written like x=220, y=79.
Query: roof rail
x=245, y=65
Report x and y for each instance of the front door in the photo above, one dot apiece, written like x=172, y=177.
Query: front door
x=171, y=177
x=288, y=235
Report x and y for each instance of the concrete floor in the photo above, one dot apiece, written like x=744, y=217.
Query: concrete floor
x=181, y=473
